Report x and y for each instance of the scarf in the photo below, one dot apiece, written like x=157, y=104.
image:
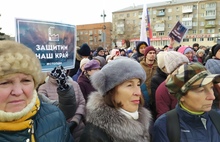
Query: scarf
x=130, y=115
x=21, y=120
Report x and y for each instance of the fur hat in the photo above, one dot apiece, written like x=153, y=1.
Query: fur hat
x=92, y=64
x=101, y=60
x=160, y=59
x=173, y=60
x=84, y=50
x=186, y=75
x=116, y=72
x=147, y=49
x=17, y=58
x=83, y=62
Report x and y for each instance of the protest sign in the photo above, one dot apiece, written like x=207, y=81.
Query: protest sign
x=178, y=32
x=53, y=43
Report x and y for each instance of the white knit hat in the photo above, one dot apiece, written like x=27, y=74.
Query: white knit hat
x=173, y=59
x=83, y=62
x=160, y=59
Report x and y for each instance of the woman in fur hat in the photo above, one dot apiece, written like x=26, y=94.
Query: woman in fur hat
x=23, y=117
x=115, y=112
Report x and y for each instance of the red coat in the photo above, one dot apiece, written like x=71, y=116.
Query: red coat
x=164, y=101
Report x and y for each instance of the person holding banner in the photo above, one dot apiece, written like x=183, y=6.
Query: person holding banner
x=59, y=80
x=23, y=116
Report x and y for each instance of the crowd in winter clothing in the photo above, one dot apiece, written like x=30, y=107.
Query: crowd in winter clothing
x=92, y=104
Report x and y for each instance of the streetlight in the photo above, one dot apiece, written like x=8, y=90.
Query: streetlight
x=104, y=27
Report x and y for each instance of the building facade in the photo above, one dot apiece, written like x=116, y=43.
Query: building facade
x=199, y=16
x=95, y=35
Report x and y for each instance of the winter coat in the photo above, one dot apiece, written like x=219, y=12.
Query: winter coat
x=85, y=86
x=107, y=124
x=192, y=128
x=150, y=71
x=49, y=123
x=156, y=80
x=50, y=90
x=145, y=95
x=76, y=76
x=67, y=101
x=164, y=101
x=137, y=56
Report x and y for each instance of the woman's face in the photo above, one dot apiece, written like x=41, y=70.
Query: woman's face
x=16, y=92
x=189, y=55
x=91, y=72
x=129, y=93
x=142, y=48
x=199, y=99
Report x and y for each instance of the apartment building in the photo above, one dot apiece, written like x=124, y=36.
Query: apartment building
x=95, y=35
x=201, y=17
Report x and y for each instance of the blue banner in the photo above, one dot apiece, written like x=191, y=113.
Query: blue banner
x=53, y=43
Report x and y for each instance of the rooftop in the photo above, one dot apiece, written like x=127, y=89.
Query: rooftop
x=158, y=4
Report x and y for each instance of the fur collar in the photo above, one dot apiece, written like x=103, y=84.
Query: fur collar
x=116, y=124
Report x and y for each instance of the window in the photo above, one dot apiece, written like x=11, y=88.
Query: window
x=210, y=12
x=185, y=40
x=154, y=12
x=169, y=17
x=195, y=24
x=154, y=34
x=202, y=23
x=169, y=25
x=194, y=39
x=211, y=5
x=202, y=14
x=169, y=10
x=128, y=14
x=194, y=31
x=211, y=31
x=201, y=31
x=201, y=39
x=134, y=14
x=211, y=22
x=194, y=6
x=202, y=6
x=177, y=17
x=210, y=38
x=177, y=8
x=161, y=33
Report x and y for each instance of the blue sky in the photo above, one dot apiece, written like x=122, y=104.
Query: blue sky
x=65, y=11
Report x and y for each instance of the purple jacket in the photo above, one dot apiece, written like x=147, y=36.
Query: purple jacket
x=85, y=86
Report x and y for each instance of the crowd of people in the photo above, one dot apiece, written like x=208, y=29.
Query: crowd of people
x=117, y=95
